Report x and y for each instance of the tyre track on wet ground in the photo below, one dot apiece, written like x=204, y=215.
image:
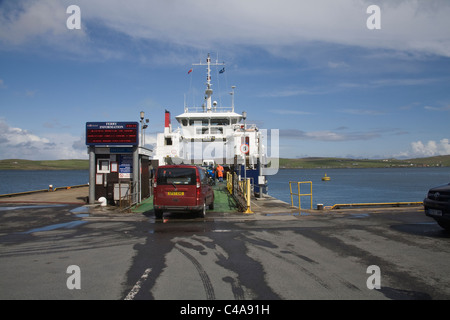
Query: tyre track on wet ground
x=206, y=281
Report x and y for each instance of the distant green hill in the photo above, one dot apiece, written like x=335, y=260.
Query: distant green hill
x=303, y=163
x=19, y=164
x=310, y=163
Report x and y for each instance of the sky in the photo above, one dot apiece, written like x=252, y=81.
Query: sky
x=336, y=78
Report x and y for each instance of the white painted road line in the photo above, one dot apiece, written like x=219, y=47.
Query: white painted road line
x=134, y=291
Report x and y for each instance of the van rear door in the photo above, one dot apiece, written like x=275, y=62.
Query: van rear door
x=176, y=186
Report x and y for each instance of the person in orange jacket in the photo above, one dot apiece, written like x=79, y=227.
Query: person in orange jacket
x=219, y=170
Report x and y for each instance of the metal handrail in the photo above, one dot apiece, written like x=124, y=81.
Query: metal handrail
x=240, y=190
x=245, y=188
x=375, y=204
x=300, y=194
x=230, y=182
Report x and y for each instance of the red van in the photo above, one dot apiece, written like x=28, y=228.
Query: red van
x=181, y=188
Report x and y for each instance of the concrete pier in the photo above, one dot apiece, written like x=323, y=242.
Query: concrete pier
x=224, y=205
x=67, y=195
x=223, y=201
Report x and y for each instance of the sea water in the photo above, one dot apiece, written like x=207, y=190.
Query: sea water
x=358, y=185
x=13, y=181
x=345, y=186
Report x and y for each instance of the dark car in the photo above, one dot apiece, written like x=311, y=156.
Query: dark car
x=182, y=188
x=437, y=205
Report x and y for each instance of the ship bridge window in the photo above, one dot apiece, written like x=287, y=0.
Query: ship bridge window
x=201, y=130
x=168, y=141
x=220, y=122
x=199, y=122
x=217, y=130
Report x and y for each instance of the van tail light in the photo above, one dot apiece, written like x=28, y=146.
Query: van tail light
x=198, y=188
x=198, y=181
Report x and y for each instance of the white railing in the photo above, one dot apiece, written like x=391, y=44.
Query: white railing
x=204, y=109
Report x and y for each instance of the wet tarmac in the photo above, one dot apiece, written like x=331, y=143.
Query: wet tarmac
x=284, y=256
x=276, y=253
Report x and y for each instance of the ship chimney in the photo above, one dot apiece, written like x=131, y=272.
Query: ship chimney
x=167, y=125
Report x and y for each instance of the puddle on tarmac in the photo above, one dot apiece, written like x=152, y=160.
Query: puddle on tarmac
x=31, y=207
x=82, y=215
x=66, y=225
x=286, y=214
x=80, y=210
x=359, y=215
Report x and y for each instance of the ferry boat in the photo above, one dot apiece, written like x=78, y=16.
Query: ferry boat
x=212, y=133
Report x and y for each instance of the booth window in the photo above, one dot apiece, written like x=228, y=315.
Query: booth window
x=103, y=166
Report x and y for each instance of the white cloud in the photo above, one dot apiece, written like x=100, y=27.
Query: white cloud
x=28, y=23
x=22, y=144
x=406, y=25
x=31, y=19
x=15, y=136
x=328, y=135
x=430, y=108
x=150, y=140
x=428, y=149
x=67, y=146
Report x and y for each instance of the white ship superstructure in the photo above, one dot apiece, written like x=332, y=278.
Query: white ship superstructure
x=210, y=132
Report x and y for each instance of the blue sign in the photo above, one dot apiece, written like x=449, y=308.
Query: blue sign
x=125, y=166
x=120, y=150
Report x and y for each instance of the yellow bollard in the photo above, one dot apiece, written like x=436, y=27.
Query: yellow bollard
x=248, y=196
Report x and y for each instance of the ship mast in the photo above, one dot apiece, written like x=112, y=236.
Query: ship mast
x=208, y=90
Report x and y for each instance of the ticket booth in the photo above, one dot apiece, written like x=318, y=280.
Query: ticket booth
x=118, y=171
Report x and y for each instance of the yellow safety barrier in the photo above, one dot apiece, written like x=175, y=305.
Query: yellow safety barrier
x=300, y=194
x=241, y=191
x=246, y=190
x=230, y=182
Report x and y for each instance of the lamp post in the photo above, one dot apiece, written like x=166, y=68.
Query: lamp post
x=136, y=160
x=247, y=150
x=143, y=127
x=244, y=116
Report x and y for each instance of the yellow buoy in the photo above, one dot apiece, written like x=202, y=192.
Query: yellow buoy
x=325, y=178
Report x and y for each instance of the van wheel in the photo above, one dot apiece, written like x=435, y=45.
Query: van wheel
x=158, y=214
x=202, y=212
x=445, y=225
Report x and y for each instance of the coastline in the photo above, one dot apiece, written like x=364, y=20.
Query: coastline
x=22, y=164
x=284, y=163
x=348, y=163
